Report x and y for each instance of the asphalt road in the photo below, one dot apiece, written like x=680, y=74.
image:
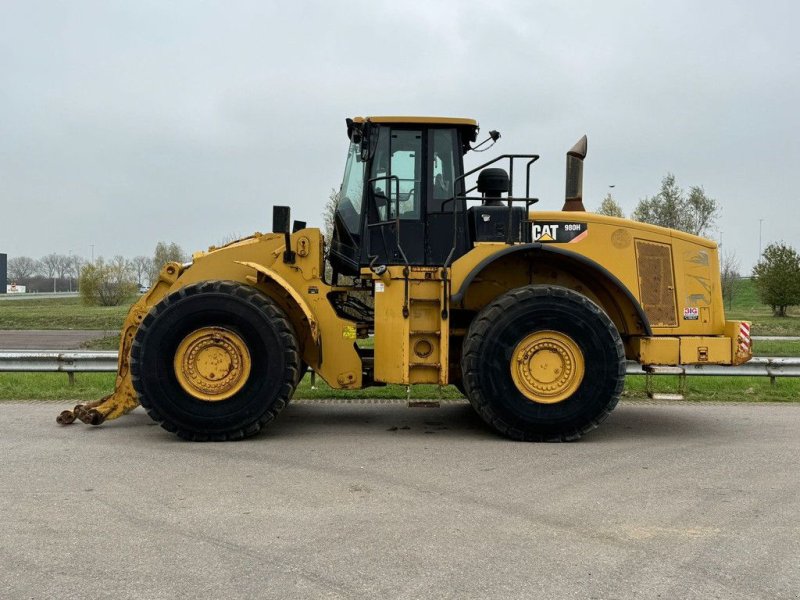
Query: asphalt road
x=381, y=501
x=32, y=339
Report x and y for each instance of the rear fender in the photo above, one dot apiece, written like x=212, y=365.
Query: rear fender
x=545, y=264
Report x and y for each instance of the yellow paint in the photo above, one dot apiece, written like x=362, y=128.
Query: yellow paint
x=421, y=120
x=272, y=275
x=413, y=348
x=547, y=367
x=212, y=364
x=656, y=350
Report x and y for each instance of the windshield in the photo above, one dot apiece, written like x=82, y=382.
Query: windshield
x=350, y=194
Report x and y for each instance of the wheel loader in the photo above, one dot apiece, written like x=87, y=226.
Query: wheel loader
x=531, y=314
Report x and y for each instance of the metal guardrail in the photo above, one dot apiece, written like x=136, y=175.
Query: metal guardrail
x=101, y=362
x=43, y=361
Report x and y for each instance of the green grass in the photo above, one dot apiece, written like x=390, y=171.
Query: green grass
x=61, y=313
x=776, y=348
x=721, y=389
x=747, y=307
x=93, y=386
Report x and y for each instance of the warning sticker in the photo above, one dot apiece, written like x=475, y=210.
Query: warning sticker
x=379, y=286
x=691, y=313
x=559, y=232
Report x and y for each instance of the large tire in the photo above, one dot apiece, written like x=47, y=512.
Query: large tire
x=496, y=345
x=255, y=332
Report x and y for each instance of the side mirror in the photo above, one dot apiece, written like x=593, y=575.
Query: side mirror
x=281, y=216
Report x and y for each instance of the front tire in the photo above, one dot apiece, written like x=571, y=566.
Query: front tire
x=543, y=363
x=215, y=360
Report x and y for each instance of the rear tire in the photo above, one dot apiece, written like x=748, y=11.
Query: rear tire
x=264, y=354
x=589, y=378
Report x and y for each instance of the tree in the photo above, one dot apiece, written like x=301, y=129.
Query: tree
x=141, y=267
x=328, y=214
x=54, y=266
x=672, y=208
x=729, y=274
x=609, y=207
x=777, y=277
x=73, y=269
x=229, y=239
x=21, y=268
x=106, y=284
x=163, y=254
x=49, y=265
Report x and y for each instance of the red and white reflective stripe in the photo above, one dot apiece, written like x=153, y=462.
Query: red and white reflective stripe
x=744, y=337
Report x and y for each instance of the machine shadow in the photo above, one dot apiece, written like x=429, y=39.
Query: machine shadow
x=627, y=422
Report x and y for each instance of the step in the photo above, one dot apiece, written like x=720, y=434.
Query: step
x=660, y=396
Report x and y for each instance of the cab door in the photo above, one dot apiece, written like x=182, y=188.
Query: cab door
x=394, y=224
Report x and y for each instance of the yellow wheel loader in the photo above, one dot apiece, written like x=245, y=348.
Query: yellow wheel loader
x=532, y=314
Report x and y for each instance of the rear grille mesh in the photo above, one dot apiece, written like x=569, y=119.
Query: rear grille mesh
x=656, y=283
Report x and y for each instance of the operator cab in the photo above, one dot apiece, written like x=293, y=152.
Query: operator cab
x=401, y=182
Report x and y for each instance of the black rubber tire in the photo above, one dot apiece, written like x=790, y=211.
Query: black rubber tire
x=501, y=325
x=271, y=342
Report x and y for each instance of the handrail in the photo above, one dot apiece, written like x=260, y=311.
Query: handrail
x=510, y=199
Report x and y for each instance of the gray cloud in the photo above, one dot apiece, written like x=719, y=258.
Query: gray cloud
x=125, y=123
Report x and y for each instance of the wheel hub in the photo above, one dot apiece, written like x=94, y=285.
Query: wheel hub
x=547, y=367
x=212, y=363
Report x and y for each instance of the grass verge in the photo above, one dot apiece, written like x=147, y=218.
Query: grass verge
x=61, y=313
x=747, y=306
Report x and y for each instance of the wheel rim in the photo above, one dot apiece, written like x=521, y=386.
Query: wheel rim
x=547, y=367
x=212, y=364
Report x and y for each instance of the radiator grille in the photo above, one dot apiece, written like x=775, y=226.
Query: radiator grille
x=656, y=283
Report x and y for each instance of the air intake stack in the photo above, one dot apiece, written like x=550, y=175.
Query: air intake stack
x=574, y=194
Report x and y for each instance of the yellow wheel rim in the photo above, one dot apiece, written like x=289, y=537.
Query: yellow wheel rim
x=212, y=364
x=547, y=367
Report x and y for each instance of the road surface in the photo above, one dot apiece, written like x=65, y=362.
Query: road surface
x=368, y=500
x=48, y=339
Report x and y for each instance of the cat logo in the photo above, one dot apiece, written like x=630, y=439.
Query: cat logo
x=559, y=233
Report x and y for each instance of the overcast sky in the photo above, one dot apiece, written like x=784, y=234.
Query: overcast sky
x=126, y=123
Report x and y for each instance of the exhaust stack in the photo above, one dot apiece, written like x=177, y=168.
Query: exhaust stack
x=574, y=194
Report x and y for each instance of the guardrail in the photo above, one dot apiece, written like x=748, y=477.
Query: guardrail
x=34, y=361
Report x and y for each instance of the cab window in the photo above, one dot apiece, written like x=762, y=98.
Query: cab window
x=397, y=169
x=443, y=170
x=350, y=194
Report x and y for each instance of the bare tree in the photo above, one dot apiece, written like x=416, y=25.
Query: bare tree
x=21, y=268
x=229, y=238
x=141, y=267
x=163, y=254
x=74, y=269
x=62, y=265
x=49, y=265
x=729, y=275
